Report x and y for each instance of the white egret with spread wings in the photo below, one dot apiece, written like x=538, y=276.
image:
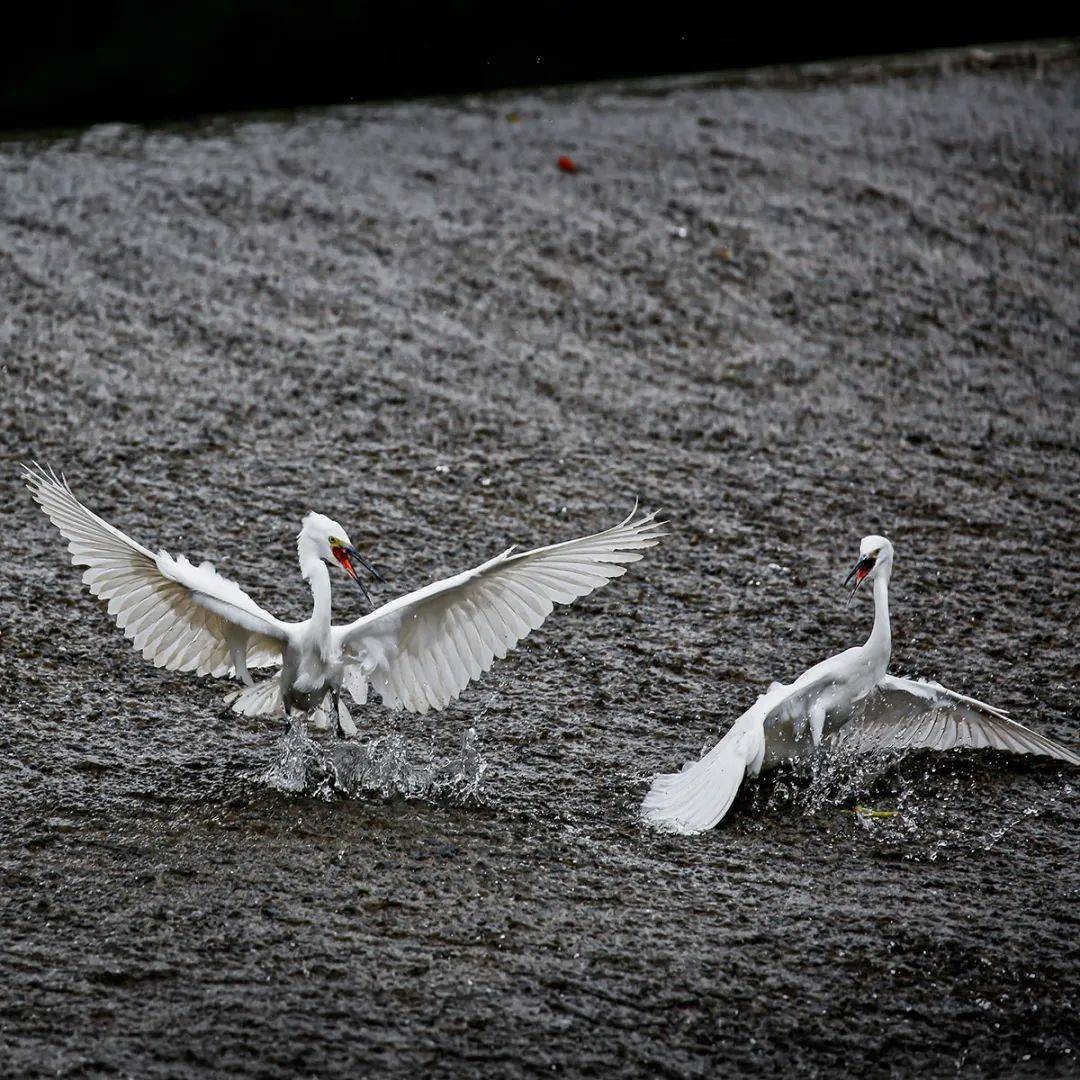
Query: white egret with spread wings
x=418, y=651
x=845, y=701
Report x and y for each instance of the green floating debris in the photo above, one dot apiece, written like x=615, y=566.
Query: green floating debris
x=870, y=812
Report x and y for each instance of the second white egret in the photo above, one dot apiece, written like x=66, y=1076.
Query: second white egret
x=847, y=700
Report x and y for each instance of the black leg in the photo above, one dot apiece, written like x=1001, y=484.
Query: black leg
x=335, y=697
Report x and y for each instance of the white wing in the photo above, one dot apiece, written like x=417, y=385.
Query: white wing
x=910, y=714
x=421, y=650
x=776, y=727
x=180, y=616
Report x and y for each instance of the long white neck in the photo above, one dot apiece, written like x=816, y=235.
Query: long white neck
x=879, y=643
x=316, y=575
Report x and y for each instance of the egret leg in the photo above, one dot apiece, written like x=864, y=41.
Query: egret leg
x=345, y=726
x=288, y=720
x=339, y=723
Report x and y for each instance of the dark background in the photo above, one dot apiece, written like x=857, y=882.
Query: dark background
x=125, y=61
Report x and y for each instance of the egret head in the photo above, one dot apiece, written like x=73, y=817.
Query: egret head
x=333, y=546
x=875, y=559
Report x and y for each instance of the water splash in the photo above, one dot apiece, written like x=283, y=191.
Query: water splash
x=930, y=804
x=825, y=782
x=386, y=767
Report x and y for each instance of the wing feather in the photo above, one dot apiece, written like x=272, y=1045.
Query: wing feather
x=910, y=714
x=421, y=650
x=179, y=616
x=459, y=641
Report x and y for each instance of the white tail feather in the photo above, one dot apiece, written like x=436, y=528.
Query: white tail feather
x=322, y=718
x=345, y=720
x=261, y=699
x=355, y=682
x=695, y=799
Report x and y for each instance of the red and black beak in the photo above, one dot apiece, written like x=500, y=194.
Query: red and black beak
x=349, y=558
x=859, y=572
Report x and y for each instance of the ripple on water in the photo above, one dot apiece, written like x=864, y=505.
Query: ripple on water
x=386, y=766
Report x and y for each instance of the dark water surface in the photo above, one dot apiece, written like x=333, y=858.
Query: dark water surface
x=791, y=316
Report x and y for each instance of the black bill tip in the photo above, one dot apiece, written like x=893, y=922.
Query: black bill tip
x=859, y=572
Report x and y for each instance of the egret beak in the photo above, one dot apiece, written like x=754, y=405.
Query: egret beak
x=859, y=572
x=354, y=554
x=348, y=556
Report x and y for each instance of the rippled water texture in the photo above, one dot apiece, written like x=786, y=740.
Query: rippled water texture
x=791, y=315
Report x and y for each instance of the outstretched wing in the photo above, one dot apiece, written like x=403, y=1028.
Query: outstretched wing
x=180, y=616
x=911, y=714
x=421, y=650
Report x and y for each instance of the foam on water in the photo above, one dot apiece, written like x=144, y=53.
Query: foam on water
x=386, y=766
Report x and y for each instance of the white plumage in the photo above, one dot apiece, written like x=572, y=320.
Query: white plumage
x=179, y=616
x=423, y=649
x=847, y=700
x=419, y=651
